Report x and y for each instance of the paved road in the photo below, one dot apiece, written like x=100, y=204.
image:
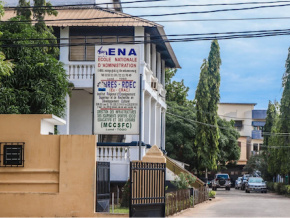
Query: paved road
x=236, y=203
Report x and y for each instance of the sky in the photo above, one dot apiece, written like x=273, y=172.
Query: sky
x=251, y=70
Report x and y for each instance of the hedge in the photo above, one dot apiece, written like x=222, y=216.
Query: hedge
x=279, y=188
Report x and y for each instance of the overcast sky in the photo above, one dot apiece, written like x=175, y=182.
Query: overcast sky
x=251, y=69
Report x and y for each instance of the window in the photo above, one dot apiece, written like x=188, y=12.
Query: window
x=239, y=124
x=13, y=154
x=82, y=48
x=256, y=147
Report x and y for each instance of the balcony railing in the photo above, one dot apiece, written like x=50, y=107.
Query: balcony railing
x=257, y=134
x=81, y=71
x=113, y=153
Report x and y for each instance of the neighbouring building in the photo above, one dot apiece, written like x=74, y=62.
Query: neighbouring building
x=79, y=29
x=249, y=123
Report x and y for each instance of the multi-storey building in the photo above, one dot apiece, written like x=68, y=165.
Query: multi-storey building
x=79, y=29
x=249, y=123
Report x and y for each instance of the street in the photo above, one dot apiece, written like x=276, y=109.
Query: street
x=237, y=203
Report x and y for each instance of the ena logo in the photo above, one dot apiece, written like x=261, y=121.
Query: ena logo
x=118, y=51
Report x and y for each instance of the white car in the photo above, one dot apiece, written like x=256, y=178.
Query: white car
x=256, y=184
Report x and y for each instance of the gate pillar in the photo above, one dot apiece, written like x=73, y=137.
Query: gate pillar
x=147, y=197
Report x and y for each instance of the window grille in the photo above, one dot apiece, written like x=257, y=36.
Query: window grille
x=12, y=154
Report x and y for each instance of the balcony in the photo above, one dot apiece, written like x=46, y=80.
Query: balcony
x=81, y=74
x=259, y=114
x=257, y=134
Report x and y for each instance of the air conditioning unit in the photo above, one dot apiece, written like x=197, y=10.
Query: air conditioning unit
x=154, y=85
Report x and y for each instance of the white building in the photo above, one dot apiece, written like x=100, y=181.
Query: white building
x=79, y=29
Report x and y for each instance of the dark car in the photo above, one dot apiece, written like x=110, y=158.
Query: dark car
x=244, y=180
x=221, y=180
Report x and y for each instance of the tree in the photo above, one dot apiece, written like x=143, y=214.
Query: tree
x=176, y=91
x=6, y=66
x=39, y=83
x=207, y=97
x=180, y=133
x=201, y=140
x=270, y=121
x=284, y=127
x=229, y=151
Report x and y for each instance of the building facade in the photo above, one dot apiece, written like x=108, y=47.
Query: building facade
x=249, y=123
x=79, y=30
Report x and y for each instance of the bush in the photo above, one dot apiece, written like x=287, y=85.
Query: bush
x=183, y=181
x=278, y=187
x=270, y=186
x=125, y=195
x=287, y=187
x=211, y=194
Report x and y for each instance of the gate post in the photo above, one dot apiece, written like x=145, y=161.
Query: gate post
x=147, y=190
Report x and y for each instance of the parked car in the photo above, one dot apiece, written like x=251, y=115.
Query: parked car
x=244, y=180
x=256, y=184
x=238, y=183
x=221, y=180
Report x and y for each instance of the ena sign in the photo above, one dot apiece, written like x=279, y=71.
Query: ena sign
x=117, y=90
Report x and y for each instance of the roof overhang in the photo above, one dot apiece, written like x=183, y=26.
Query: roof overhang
x=99, y=17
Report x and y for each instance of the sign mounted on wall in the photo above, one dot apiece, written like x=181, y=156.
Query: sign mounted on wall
x=117, y=90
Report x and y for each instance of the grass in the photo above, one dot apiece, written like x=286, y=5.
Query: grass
x=118, y=209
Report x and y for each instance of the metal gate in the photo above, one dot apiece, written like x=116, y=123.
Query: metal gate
x=103, y=187
x=147, y=197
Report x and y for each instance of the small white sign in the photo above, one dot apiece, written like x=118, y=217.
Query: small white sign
x=117, y=90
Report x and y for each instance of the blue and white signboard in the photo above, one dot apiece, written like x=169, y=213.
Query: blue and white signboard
x=117, y=90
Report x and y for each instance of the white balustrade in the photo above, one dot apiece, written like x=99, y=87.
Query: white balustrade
x=113, y=153
x=81, y=71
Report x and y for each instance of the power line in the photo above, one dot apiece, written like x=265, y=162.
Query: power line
x=214, y=11
x=169, y=14
x=222, y=19
x=84, y=5
x=223, y=36
x=152, y=41
x=160, y=36
x=204, y=5
x=146, y=1
x=223, y=127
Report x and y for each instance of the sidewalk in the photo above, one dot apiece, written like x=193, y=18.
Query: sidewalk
x=198, y=209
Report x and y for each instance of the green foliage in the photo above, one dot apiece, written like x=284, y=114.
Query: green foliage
x=270, y=186
x=229, y=151
x=39, y=83
x=183, y=181
x=211, y=194
x=277, y=154
x=285, y=119
x=6, y=66
x=279, y=188
x=126, y=194
x=207, y=97
x=180, y=133
x=176, y=91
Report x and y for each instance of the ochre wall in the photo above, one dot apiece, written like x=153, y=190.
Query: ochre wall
x=243, y=157
x=58, y=177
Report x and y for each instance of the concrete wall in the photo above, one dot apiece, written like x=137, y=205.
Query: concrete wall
x=81, y=113
x=238, y=112
x=58, y=177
